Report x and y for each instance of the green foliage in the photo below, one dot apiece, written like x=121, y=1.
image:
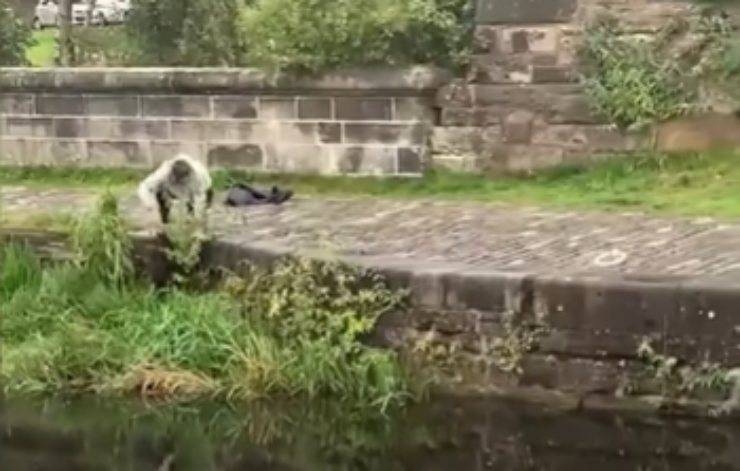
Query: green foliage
x=101, y=243
x=316, y=314
x=15, y=37
x=679, y=380
x=90, y=326
x=96, y=46
x=186, y=32
x=635, y=81
x=19, y=269
x=186, y=236
x=629, y=83
x=314, y=35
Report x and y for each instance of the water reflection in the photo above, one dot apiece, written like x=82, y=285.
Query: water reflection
x=443, y=435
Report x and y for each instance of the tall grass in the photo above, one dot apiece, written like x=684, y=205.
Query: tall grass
x=89, y=326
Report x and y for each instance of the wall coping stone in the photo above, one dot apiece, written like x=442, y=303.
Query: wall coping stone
x=414, y=80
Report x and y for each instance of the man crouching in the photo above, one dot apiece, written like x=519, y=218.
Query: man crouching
x=179, y=180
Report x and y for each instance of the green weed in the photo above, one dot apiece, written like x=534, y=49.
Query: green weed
x=89, y=326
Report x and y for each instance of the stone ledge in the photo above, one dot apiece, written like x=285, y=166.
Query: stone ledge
x=412, y=80
x=611, y=311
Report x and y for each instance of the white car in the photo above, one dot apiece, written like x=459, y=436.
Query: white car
x=107, y=12
x=100, y=12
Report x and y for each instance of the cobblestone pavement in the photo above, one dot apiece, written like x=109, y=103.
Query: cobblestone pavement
x=475, y=235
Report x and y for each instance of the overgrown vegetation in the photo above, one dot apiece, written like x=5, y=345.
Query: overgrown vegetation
x=294, y=35
x=634, y=80
x=676, y=380
x=186, y=32
x=314, y=35
x=89, y=326
x=15, y=37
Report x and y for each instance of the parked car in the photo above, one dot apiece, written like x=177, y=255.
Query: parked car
x=107, y=12
x=100, y=12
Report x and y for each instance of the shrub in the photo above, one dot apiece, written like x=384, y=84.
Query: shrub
x=314, y=35
x=186, y=32
x=15, y=37
x=635, y=81
x=109, y=46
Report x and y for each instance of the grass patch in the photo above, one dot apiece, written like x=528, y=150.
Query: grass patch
x=88, y=326
x=692, y=184
x=43, y=52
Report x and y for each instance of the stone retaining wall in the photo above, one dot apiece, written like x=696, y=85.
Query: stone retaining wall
x=589, y=328
x=371, y=122
x=521, y=105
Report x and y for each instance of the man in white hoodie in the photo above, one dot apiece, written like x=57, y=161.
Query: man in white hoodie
x=182, y=179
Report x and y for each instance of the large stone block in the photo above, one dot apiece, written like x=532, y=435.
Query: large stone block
x=176, y=106
x=592, y=138
x=522, y=158
x=465, y=140
x=237, y=155
x=486, y=291
x=128, y=129
x=70, y=127
x=16, y=103
x=22, y=151
x=278, y=108
x=572, y=375
x=414, y=109
x=119, y=154
x=196, y=130
x=486, y=116
x=18, y=150
x=412, y=160
x=612, y=304
x=398, y=134
x=236, y=107
x=517, y=127
x=367, y=160
x=112, y=105
x=308, y=133
x=303, y=159
x=29, y=127
x=556, y=103
x=315, y=108
x=364, y=109
x=524, y=11
x=60, y=105
x=553, y=74
x=165, y=150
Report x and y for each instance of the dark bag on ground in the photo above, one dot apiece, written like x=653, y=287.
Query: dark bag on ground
x=244, y=195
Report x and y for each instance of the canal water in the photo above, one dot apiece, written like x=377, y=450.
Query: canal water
x=442, y=435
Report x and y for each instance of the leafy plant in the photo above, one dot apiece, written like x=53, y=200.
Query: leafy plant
x=186, y=236
x=102, y=245
x=15, y=37
x=186, y=32
x=315, y=35
x=635, y=81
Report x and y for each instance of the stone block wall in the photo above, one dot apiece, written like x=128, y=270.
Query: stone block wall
x=521, y=105
x=350, y=123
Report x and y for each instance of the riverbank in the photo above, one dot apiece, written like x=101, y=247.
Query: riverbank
x=588, y=319
x=88, y=325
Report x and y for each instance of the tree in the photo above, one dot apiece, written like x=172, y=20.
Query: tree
x=66, y=46
x=15, y=37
